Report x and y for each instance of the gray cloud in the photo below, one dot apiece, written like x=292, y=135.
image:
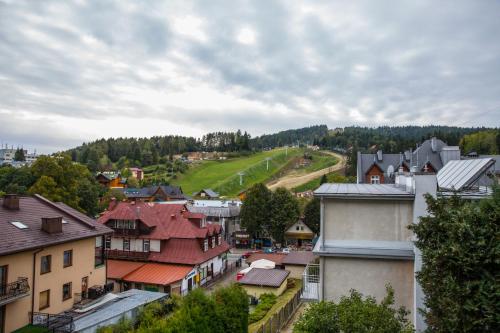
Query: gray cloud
x=257, y=65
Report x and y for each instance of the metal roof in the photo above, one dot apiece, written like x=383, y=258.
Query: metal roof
x=125, y=302
x=459, y=175
x=366, y=249
x=265, y=277
x=374, y=191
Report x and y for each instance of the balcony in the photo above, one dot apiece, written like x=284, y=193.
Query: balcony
x=311, y=283
x=127, y=255
x=14, y=290
x=53, y=323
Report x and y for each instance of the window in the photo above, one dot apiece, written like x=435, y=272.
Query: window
x=45, y=264
x=213, y=242
x=44, y=300
x=107, y=244
x=145, y=245
x=219, y=240
x=297, y=228
x=66, y=291
x=68, y=258
x=205, y=245
x=375, y=179
x=99, y=251
x=126, y=245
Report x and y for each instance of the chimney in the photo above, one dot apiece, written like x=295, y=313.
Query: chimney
x=11, y=201
x=379, y=155
x=112, y=204
x=52, y=225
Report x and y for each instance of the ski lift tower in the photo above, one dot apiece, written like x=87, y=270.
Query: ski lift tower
x=241, y=174
x=267, y=162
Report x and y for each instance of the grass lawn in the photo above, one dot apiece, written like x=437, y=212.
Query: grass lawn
x=221, y=176
x=320, y=161
x=32, y=329
x=281, y=302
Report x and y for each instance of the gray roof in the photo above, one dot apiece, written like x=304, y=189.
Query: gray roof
x=211, y=193
x=433, y=151
x=265, y=277
x=496, y=167
x=299, y=258
x=363, y=191
x=230, y=211
x=458, y=175
x=126, y=301
x=366, y=249
x=144, y=192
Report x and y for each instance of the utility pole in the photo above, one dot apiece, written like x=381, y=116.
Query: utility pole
x=267, y=163
x=241, y=177
x=286, y=150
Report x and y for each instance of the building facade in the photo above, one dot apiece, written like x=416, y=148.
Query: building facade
x=365, y=242
x=50, y=255
x=169, y=236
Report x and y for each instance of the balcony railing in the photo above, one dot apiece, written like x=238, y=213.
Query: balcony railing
x=14, y=290
x=54, y=323
x=130, y=255
x=310, y=282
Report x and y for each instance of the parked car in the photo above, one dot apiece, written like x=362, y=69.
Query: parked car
x=285, y=250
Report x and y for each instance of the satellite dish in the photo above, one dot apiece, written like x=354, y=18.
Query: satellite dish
x=390, y=171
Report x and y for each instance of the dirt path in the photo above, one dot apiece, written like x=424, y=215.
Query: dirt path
x=290, y=181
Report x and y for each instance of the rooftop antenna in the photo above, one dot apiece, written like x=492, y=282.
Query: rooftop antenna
x=267, y=163
x=241, y=174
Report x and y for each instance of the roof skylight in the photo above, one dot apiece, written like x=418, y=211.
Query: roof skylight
x=19, y=225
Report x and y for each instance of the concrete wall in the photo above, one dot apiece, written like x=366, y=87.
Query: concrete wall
x=296, y=271
x=383, y=220
x=20, y=265
x=256, y=291
x=369, y=276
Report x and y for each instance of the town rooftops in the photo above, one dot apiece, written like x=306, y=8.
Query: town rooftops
x=146, y=192
x=228, y=211
x=22, y=227
x=208, y=192
x=187, y=252
x=117, y=269
x=363, y=191
x=265, y=277
x=301, y=258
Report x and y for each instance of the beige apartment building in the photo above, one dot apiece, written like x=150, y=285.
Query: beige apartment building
x=365, y=242
x=50, y=254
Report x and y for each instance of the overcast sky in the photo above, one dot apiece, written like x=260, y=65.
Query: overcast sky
x=76, y=71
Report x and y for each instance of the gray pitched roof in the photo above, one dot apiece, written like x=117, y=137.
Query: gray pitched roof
x=230, y=211
x=265, y=277
x=373, y=191
x=458, y=175
x=433, y=151
x=144, y=192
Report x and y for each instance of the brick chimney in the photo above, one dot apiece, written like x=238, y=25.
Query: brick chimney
x=11, y=202
x=52, y=225
x=112, y=204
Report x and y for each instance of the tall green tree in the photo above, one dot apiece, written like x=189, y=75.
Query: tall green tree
x=232, y=308
x=460, y=246
x=256, y=210
x=312, y=215
x=284, y=212
x=19, y=155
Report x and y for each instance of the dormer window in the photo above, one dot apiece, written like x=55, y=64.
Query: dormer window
x=205, y=245
x=213, y=242
x=375, y=179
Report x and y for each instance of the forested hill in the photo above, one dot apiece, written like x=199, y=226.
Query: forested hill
x=150, y=151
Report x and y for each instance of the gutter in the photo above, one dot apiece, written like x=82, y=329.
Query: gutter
x=33, y=284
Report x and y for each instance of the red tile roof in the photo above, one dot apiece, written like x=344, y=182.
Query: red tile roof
x=301, y=258
x=30, y=213
x=277, y=258
x=162, y=274
x=167, y=221
x=117, y=269
x=187, y=251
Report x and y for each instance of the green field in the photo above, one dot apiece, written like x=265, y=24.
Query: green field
x=221, y=176
x=320, y=161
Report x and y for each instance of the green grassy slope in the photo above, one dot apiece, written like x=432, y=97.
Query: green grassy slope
x=221, y=176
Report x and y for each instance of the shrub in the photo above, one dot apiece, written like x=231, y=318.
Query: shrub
x=353, y=314
x=266, y=302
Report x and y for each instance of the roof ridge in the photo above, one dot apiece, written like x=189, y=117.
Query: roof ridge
x=54, y=205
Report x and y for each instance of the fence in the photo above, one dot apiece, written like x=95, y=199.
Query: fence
x=281, y=318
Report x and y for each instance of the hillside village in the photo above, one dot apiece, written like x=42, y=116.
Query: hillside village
x=151, y=243
x=249, y=166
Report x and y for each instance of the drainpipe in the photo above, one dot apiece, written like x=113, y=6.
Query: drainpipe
x=33, y=284
x=321, y=260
